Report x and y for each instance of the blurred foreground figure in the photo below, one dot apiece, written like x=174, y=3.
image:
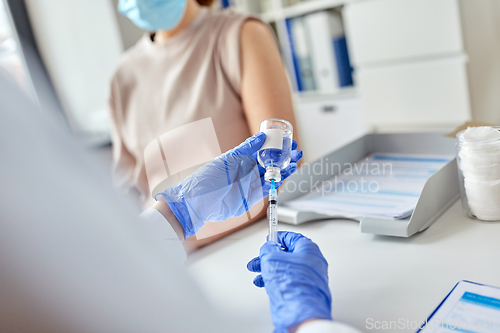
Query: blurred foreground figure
x=75, y=257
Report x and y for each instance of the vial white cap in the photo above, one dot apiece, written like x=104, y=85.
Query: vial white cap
x=273, y=173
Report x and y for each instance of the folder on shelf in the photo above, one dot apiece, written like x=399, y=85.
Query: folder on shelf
x=295, y=68
x=302, y=53
x=322, y=28
x=343, y=64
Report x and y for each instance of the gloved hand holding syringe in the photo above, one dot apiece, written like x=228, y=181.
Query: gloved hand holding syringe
x=274, y=156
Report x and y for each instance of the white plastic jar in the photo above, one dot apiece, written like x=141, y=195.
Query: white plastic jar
x=478, y=158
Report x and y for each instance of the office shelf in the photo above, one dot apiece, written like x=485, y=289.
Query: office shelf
x=277, y=17
x=301, y=9
x=309, y=96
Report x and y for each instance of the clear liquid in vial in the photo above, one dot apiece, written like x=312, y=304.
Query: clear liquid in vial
x=274, y=157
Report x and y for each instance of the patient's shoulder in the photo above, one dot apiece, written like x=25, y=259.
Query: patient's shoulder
x=132, y=58
x=225, y=23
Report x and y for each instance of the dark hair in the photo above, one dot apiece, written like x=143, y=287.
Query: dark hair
x=205, y=2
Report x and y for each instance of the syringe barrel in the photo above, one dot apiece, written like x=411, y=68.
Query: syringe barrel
x=273, y=217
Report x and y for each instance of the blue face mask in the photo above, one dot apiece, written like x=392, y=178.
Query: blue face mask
x=153, y=15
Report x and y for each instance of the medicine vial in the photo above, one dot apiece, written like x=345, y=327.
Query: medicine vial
x=478, y=158
x=276, y=152
x=274, y=155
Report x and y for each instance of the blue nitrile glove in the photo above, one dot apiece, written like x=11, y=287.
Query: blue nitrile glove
x=295, y=278
x=226, y=187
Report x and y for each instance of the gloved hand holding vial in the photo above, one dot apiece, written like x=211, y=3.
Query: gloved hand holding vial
x=225, y=187
x=274, y=156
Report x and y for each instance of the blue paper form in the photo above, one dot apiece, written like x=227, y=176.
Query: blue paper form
x=379, y=186
x=469, y=308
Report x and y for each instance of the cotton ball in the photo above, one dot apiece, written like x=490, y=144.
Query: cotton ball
x=474, y=171
x=480, y=146
x=480, y=165
x=483, y=157
x=482, y=133
x=483, y=198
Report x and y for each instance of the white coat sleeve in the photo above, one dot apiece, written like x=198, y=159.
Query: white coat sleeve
x=327, y=326
x=162, y=234
x=74, y=255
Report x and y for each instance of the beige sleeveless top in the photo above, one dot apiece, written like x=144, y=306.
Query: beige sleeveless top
x=158, y=87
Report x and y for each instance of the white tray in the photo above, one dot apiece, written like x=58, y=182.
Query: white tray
x=440, y=191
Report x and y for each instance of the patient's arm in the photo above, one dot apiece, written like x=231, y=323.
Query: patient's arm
x=265, y=89
x=265, y=93
x=165, y=210
x=211, y=231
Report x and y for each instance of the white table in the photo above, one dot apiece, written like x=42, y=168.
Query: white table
x=377, y=277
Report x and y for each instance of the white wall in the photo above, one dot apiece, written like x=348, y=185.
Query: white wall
x=130, y=34
x=80, y=44
x=481, y=30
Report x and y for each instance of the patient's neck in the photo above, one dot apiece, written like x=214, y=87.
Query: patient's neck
x=192, y=10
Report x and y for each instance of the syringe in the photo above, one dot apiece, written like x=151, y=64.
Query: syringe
x=273, y=214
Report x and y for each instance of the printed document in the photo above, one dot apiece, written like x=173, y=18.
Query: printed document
x=469, y=308
x=385, y=186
